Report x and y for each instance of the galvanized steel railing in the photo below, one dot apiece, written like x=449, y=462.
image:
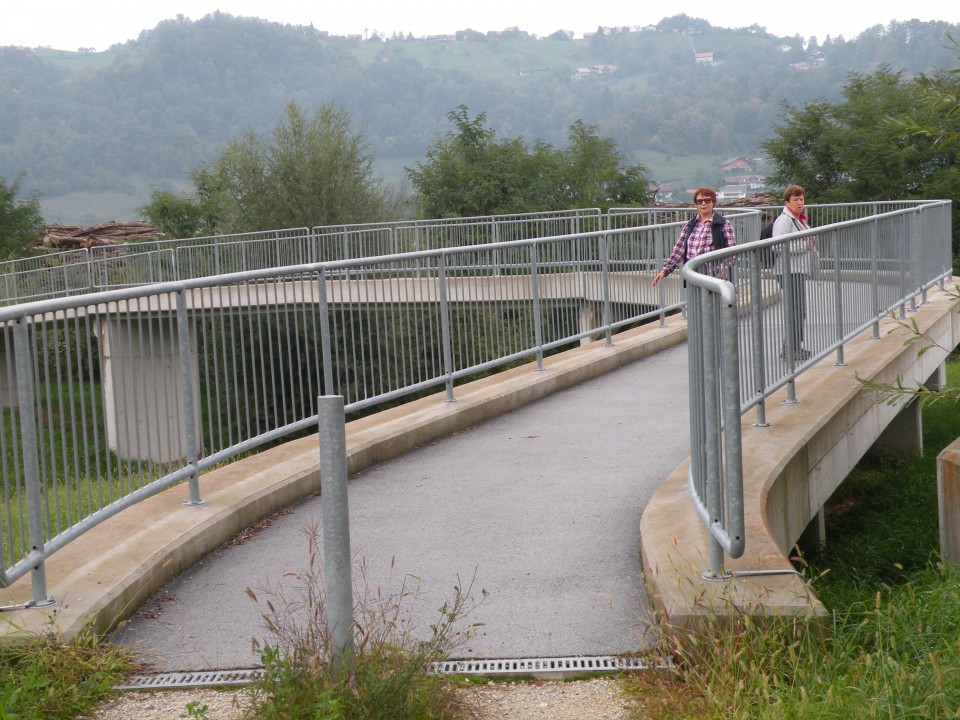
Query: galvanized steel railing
x=109, y=397
x=148, y=262
x=875, y=258
x=113, y=396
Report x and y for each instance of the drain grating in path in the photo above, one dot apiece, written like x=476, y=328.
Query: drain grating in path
x=554, y=667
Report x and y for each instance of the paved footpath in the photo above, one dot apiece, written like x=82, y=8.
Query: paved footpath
x=541, y=507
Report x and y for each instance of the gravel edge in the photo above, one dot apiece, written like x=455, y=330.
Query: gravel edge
x=593, y=699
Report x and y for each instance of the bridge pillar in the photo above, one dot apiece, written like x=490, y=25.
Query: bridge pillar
x=143, y=395
x=589, y=320
x=905, y=431
x=948, y=490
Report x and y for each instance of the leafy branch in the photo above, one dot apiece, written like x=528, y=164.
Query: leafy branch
x=896, y=393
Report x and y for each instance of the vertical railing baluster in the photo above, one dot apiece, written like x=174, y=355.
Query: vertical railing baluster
x=32, y=481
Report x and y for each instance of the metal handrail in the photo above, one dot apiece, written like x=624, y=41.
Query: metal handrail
x=871, y=266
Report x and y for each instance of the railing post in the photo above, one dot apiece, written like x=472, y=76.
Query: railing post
x=660, y=289
x=537, y=318
x=711, y=408
x=730, y=465
x=838, y=301
x=31, y=460
x=326, y=343
x=756, y=333
x=789, y=336
x=335, y=510
x=901, y=247
x=89, y=268
x=189, y=406
x=604, y=249
x=445, y=324
x=875, y=274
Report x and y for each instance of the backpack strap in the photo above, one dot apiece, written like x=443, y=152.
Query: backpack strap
x=716, y=230
x=719, y=241
x=687, y=229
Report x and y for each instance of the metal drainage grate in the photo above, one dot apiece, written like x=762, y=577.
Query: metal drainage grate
x=204, y=678
x=490, y=668
x=541, y=666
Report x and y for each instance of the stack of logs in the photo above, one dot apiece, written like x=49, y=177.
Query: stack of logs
x=74, y=237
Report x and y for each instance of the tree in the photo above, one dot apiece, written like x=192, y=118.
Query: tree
x=851, y=151
x=20, y=220
x=942, y=95
x=312, y=171
x=178, y=216
x=468, y=172
x=876, y=145
x=596, y=174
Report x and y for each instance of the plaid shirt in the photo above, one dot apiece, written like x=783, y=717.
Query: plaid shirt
x=699, y=241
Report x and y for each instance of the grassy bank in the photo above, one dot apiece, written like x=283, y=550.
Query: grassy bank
x=892, y=649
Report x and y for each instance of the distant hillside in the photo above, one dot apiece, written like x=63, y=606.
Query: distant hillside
x=143, y=114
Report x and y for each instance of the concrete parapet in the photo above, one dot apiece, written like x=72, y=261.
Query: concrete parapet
x=790, y=470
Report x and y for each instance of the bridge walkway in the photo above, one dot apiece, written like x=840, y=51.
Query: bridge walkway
x=540, y=507
x=537, y=503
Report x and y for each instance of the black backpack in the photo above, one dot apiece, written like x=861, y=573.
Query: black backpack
x=767, y=257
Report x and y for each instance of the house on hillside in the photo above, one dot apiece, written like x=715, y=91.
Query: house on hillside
x=704, y=58
x=750, y=182
x=736, y=165
x=731, y=192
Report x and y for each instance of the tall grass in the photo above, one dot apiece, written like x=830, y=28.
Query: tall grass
x=387, y=675
x=892, y=648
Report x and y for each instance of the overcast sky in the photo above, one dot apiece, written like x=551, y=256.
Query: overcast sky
x=70, y=24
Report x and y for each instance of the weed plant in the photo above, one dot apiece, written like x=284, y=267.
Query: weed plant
x=43, y=678
x=891, y=650
x=389, y=672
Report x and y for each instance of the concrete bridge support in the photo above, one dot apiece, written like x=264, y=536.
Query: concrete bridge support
x=143, y=396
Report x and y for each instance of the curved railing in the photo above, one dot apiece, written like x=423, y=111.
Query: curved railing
x=131, y=264
x=875, y=259
x=109, y=397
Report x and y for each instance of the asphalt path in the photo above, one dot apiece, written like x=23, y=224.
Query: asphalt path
x=535, y=512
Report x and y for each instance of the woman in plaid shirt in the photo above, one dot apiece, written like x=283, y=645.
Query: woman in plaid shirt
x=708, y=231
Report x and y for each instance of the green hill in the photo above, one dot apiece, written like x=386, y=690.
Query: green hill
x=93, y=132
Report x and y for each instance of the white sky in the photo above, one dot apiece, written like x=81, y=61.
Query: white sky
x=69, y=24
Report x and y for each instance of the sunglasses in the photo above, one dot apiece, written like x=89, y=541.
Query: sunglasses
x=703, y=201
